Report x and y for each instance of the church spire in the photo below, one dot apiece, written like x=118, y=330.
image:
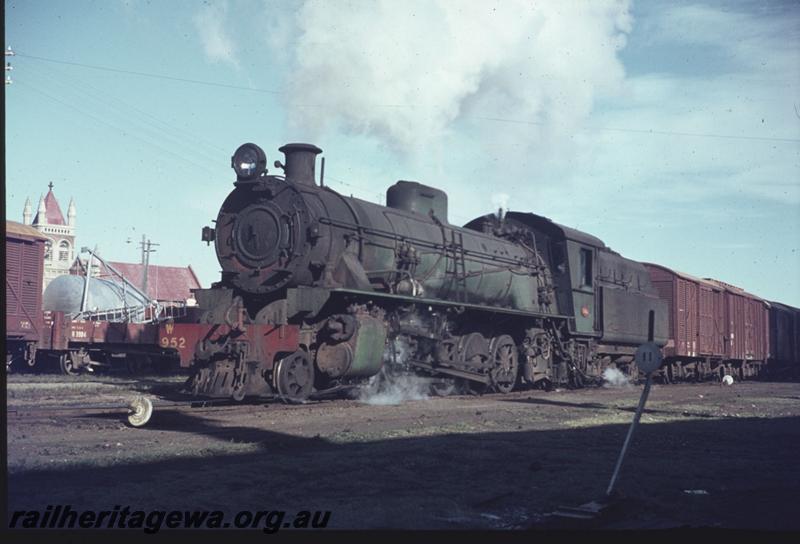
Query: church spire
x=27, y=212
x=41, y=214
x=71, y=213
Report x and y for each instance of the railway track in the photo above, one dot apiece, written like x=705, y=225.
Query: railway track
x=138, y=409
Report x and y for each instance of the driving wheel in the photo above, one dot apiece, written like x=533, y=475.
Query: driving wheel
x=294, y=377
x=505, y=364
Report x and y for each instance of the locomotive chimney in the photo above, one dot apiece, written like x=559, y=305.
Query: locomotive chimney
x=300, y=162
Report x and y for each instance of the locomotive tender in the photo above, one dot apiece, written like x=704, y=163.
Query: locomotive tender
x=315, y=285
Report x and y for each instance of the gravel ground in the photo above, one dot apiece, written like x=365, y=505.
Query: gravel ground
x=704, y=456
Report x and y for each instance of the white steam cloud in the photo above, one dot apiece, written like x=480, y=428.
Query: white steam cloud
x=613, y=377
x=406, y=72
x=500, y=200
x=394, y=390
x=217, y=43
x=389, y=387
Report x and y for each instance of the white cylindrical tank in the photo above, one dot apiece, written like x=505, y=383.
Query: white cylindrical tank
x=64, y=294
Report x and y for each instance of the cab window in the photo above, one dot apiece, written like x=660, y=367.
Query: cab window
x=586, y=267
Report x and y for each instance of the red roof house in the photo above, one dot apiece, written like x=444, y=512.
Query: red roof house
x=164, y=283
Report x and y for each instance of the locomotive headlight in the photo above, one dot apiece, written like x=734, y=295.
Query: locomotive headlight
x=249, y=162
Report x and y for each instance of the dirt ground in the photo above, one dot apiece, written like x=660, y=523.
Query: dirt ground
x=704, y=456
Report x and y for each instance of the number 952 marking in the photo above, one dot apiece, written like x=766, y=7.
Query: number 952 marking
x=178, y=342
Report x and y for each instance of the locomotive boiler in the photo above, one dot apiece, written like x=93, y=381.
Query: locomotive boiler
x=316, y=285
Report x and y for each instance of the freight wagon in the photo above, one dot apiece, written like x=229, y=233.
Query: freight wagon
x=714, y=328
x=24, y=276
x=784, y=341
x=83, y=345
x=44, y=338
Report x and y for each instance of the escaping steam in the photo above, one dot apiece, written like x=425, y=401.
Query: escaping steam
x=500, y=203
x=386, y=390
x=389, y=387
x=613, y=377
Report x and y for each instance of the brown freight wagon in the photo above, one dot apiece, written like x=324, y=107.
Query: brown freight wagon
x=167, y=345
x=696, y=313
x=784, y=341
x=714, y=328
x=77, y=345
x=24, y=276
x=747, y=327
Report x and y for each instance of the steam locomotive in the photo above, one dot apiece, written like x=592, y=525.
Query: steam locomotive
x=315, y=285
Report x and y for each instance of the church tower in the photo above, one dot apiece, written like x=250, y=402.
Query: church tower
x=26, y=212
x=60, y=245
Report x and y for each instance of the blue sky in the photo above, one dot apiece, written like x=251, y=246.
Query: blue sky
x=670, y=130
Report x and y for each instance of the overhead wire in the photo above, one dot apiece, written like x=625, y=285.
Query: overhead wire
x=188, y=135
x=126, y=131
x=413, y=106
x=184, y=134
x=157, y=135
x=354, y=186
x=648, y=131
x=150, y=75
x=105, y=123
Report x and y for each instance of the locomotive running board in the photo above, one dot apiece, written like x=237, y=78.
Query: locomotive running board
x=332, y=391
x=451, y=372
x=436, y=302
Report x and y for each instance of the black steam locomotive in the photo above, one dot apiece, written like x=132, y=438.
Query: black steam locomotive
x=316, y=285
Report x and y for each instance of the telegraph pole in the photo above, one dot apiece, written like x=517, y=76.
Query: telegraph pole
x=147, y=249
x=9, y=53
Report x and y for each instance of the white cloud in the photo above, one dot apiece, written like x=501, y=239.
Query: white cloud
x=218, y=45
x=687, y=170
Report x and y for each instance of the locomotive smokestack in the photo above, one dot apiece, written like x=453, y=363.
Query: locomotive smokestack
x=300, y=162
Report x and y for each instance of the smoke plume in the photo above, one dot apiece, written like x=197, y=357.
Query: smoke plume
x=406, y=72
